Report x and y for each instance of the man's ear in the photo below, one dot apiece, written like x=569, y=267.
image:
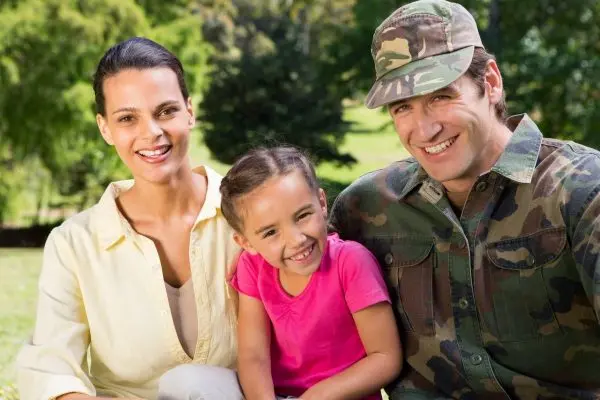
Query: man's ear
x=243, y=243
x=493, y=82
x=104, y=130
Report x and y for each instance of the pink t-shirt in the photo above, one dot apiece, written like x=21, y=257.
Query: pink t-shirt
x=313, y=335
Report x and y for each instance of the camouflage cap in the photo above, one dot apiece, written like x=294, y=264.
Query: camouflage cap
x=421, y=47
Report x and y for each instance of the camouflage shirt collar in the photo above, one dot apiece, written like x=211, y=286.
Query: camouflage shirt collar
x=520, y=156
x=415, y=180
x=517, y=162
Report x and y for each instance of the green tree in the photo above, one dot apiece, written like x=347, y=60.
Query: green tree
x=269, y=86
x=49, y=50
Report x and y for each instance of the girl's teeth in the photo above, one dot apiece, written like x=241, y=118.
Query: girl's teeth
x=440, y=147
x=302, y=256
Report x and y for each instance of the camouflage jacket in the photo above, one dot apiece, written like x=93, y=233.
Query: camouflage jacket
x=503, y=302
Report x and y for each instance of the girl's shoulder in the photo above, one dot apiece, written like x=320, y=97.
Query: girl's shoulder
x=339, y=249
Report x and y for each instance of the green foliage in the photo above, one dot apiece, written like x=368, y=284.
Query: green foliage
x=49, y=50
x=274, y=92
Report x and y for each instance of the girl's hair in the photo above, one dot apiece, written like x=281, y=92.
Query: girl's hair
x=135, y=53
x=255, y=168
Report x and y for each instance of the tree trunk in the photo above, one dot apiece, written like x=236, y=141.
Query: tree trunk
x=493, y=34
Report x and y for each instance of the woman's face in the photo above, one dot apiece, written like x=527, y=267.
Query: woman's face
x=148, y=121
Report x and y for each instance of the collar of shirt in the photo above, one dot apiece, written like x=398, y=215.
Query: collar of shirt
x=516, y=163
x=111, y=225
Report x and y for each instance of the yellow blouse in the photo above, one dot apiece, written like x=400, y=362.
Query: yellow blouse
x=104, y=325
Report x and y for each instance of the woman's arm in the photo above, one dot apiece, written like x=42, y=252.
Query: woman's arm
x=379, y=335
x=49, y=365
x=254, y=358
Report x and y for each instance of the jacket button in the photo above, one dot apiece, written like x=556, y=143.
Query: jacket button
x=481, y=186
x=476, y=359
x=389, y=259
x=530, y=260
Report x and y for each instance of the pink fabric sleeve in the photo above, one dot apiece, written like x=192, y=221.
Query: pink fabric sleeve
x=361, y=277
x=245, y=279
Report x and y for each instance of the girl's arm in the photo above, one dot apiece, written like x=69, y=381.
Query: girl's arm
x=254, y=344
x=379, y=334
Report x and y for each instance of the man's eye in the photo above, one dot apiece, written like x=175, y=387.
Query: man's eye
x=126, y=118
x=441, y=97
x=168, y=111
x=399, y=108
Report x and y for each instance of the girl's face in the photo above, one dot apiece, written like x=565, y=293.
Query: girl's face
x=148, y=121
x=284, y=220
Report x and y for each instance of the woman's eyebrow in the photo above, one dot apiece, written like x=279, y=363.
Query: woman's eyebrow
x=123, y=109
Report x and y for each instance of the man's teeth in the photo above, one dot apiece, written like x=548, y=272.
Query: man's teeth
x=154, y=153
x=303, y=255
x=438, y=148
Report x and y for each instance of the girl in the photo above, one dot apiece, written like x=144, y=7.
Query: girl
x=135, y=285
x=314, y=315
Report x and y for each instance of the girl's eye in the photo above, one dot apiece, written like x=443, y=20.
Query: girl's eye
x=303, y=215
x=268, y=233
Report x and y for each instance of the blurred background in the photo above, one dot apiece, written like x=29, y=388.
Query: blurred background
x=260, y=71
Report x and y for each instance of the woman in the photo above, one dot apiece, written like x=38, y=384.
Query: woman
x=135, y=285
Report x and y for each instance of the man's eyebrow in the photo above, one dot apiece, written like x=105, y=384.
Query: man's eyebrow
x=451, y=88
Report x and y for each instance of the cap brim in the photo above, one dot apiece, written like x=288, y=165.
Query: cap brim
x=420, y=77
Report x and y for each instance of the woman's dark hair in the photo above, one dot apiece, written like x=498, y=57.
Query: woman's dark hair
x=477, y=71
x=135, y=53
x=255, y=168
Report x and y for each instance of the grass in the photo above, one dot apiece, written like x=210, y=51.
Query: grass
x=19, y=269
x=372, y=142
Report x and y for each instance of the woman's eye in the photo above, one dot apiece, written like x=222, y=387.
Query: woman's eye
x=126, y=118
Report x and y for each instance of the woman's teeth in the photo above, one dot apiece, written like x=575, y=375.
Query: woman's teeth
x=154, y=153
x=438, y=148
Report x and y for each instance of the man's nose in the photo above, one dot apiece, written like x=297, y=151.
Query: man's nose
x=427, y=125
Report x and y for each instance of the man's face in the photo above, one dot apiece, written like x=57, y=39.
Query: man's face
x=452, y=132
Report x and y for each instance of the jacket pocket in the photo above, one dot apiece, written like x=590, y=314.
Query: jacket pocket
x=408, y=263
x=518, y=305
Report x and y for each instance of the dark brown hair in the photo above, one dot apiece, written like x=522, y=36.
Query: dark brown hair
x=255, y=168
x=477, y=71
x=135, y=53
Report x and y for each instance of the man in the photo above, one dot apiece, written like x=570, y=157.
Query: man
x=489, y=235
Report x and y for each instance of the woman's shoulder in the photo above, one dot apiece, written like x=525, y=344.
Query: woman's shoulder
x=95, y=222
